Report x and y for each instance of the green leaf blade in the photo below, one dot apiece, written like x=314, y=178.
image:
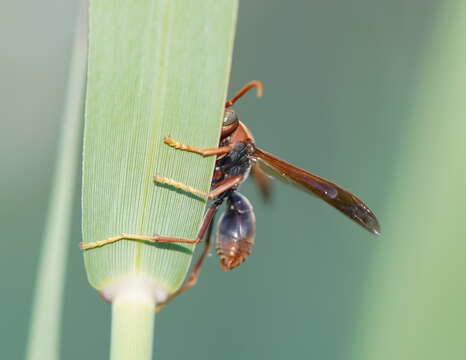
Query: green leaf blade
x=156, y=69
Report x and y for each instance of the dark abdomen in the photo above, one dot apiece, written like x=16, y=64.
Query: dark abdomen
x=235, y=233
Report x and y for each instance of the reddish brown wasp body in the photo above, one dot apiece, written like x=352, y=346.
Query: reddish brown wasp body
x=237, y=155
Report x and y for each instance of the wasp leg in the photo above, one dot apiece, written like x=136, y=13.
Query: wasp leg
x=224, y=186
x=154, y=239
x=221, y=188
x=193, y=276
x=200, y=151
x=181, y=186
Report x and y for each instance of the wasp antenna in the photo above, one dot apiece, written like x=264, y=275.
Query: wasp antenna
x=252, y=84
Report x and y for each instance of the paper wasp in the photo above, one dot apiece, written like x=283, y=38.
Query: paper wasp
x=237, y=156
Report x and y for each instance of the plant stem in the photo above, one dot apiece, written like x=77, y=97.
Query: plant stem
x=133, y=314
x=44, y=329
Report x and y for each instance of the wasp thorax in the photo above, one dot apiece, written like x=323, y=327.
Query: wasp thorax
x=229, y=117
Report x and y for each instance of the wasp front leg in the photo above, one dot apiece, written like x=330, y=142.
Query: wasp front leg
x=201, y=151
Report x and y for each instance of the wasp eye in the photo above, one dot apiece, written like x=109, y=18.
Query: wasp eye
x=230, y=117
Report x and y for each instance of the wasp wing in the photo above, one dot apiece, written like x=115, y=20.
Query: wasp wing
x=262, y=181
x=331, y=193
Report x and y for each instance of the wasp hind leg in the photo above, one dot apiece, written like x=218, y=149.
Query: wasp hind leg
x=206, y=227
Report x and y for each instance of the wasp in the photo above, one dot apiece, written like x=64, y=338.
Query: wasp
x=237, y=158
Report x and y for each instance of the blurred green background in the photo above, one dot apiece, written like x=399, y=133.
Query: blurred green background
x=366, y=93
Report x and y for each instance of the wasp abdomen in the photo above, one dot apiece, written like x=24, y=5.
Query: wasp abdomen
x=235, y=233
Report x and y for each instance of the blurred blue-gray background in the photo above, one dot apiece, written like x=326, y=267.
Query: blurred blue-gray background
x=341, y=99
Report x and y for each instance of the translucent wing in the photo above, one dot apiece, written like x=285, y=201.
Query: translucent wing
x=262, y=181
x=331, y=193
